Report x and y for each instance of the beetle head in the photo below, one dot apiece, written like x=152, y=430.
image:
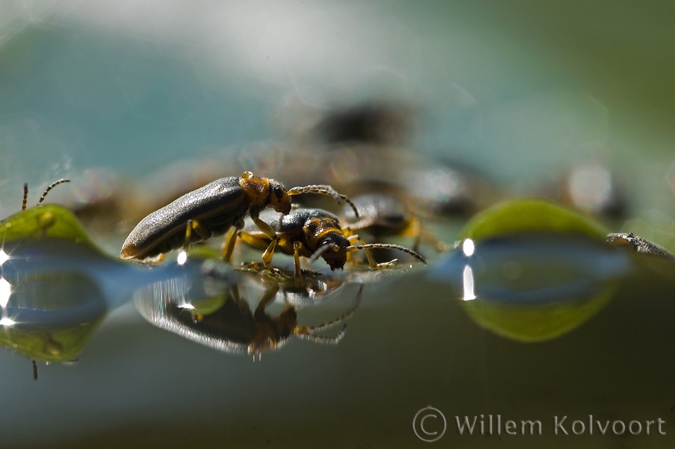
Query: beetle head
x=333, y=249
x=278, y=197
x=271, y=333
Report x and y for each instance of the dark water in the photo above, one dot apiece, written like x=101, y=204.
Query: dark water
x=413, y=342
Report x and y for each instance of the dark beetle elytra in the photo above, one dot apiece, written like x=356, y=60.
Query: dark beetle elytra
x=212, y=210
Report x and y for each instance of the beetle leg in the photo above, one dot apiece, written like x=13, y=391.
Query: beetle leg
x=414, y=229
x=268, y=297
x=369, y=255
x=348, y=232
x=269, y=253
x=254, y=240
x=440, y=246
x=297, y=246
x=155, y=260
x=235, y=294
x=202, y=231
x=199, y=228
x=264, y=227
x=188, y=235
x=356, y=239
x=228, y=244
x=267, y=230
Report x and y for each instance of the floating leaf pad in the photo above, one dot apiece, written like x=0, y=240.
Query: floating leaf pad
x=529, y=215
x=43, y=221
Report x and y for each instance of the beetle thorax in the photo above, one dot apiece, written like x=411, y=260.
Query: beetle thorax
x=256, y=189
x=317, y=229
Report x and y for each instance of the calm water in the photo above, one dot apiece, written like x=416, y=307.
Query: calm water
x=416, y=340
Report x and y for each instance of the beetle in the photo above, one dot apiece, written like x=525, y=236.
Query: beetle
x=639, y=245
x=212, y=210
x=23, y=207
x=44, y=195
x=383, y=215
x=312, y=233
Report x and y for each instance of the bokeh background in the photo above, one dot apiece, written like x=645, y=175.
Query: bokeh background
x=523, y=90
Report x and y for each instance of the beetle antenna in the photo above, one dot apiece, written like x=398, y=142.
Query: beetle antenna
x=389, y=245
x=25, y=195
x=51, y=186
x=322, y=250
x=305, y=335
x=311, y=330
x=324, y=190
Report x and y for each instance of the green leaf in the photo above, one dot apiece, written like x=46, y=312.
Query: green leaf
x=529, y=215
x=537, y=322
x=43, y=221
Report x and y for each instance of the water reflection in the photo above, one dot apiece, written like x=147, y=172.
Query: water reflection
x=533, y=287
x=51, y=316
x=5, y=292
x=54, y=292
x=209, y=307
x=467, y=283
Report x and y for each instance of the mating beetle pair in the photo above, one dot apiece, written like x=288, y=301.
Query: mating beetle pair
x=211, y=211
x=222, y=205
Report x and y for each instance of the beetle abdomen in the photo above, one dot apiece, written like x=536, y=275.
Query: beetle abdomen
x=216, y=207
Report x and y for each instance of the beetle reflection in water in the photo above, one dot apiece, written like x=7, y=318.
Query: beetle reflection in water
x=222, y=318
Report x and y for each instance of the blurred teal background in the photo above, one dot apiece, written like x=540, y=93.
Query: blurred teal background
x=522, y=89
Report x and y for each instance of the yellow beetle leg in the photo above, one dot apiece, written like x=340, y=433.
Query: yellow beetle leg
x=188, y=235
x=264, y=227
x=369, y=255
x=268, y=296
x=254, y=241
x=413, y=229
x=269, y=253
x=267, y=230
x=356, y=239
x=228, y=245
x=201, y=230
x=297, y=247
